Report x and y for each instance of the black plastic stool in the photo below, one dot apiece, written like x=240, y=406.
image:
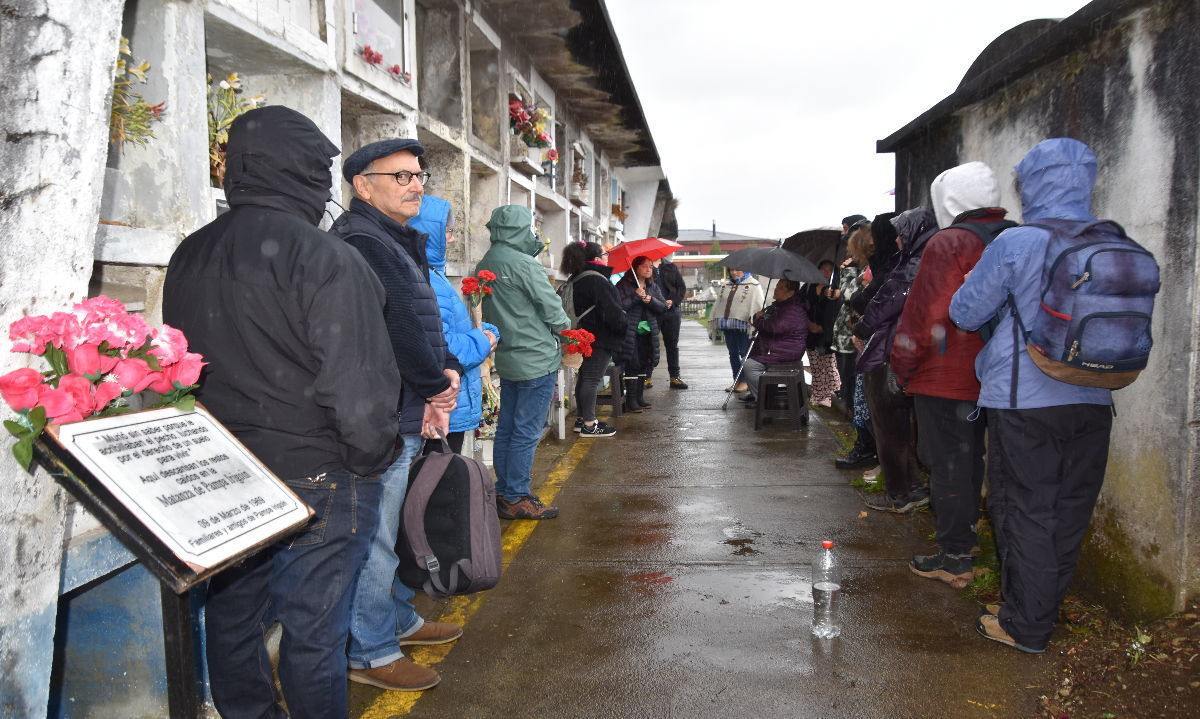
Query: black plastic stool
x=791, y=377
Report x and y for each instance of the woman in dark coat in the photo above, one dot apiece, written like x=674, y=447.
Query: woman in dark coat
x=598, y=309
x=643, y=302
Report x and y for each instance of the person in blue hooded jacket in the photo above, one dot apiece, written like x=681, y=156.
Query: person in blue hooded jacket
x=1048, y=440
x=470, y=345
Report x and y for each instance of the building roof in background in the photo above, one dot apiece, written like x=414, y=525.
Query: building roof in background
x=709, y=236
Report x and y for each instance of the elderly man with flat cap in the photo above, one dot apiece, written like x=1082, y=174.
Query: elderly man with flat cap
x=388, y=186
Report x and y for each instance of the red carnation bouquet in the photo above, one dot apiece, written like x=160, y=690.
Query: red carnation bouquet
x=576, y=345
x=100, y=357
x=474, y=287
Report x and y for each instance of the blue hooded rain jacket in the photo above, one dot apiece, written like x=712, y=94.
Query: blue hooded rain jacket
x=1056, y=180
x=468, y=344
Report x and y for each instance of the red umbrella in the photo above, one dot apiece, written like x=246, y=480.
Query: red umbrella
x=621, y=257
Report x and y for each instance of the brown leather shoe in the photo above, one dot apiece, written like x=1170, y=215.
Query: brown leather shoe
x=433, y=633
x=741, y=387
x=989, y=627
x=402, y=675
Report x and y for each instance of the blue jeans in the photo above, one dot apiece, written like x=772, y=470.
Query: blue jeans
x=382, y=607
x=305, y=582
x=523, y=409
x=738, y=344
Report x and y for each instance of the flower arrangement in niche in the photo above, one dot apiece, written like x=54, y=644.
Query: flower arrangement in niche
x=370, y=55
x=225, y=104
x=400, y=74
x=530, y=124
x=475, y=287
x=101, y=358
x=132, y=116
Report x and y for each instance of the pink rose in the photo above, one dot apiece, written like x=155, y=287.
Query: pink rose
x=80, y=390
x=20, y=388
x=86, y=359
x=106, y=392
x=56, y=402
x=169, y=345
x=187, y=370
x=133, y=373
x=160, y=382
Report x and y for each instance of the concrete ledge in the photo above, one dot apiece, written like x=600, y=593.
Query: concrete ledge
x=134, y=245
x=90, y=556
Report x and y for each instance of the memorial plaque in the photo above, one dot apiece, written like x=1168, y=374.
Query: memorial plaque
x=183, y=478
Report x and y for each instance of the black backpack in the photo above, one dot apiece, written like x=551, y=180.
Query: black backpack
x=449, y=539
x=986, y=232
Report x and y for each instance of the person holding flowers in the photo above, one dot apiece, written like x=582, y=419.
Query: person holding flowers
x=470, y=345
x=530, y=316
x=598, y=309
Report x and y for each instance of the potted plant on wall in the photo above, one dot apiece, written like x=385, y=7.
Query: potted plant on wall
x=132, y=117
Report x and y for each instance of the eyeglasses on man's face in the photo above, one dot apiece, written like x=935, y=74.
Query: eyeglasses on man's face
x=403, y=177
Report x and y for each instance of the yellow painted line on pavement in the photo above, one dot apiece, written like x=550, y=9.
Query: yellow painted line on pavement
x=460, y=609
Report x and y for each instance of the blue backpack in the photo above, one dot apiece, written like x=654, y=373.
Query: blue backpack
x=1093, y=322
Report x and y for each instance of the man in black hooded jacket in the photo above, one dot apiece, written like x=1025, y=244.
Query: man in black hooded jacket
x=301, y=370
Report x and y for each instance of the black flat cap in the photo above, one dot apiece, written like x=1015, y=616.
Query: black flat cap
x=365, y=155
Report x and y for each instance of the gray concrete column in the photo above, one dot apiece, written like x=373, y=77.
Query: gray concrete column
x=60, y=58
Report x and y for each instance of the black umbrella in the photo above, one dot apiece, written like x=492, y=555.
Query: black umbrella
x=822, y=243
x=774, y=262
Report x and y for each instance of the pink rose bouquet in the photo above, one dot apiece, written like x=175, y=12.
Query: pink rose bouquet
x=100, y=356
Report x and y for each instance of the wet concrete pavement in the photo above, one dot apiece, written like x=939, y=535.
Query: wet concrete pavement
x=675, y=583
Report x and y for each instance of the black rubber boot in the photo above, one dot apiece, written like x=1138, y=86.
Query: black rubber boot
x=862, y=455
x=641, y=394
x=631, y=394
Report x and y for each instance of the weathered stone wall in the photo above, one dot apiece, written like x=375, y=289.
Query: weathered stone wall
x=59, y=57
x=1129, y=93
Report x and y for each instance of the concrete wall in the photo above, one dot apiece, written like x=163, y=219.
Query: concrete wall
x=1128, y=92
x=59, y=56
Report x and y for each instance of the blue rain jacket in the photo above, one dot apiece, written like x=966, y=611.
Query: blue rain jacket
x=1056, y=180
x=466, y=343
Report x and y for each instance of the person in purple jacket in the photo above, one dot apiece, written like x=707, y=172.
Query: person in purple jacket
x=782, y=335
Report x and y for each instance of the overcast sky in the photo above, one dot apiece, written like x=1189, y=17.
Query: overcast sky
x=766, y=112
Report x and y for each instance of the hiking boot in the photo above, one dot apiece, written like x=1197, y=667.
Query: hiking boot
x=599, y=429
x=989, y=627
x=897, y=503
x=677, y=383
x=527, y=507
x=953, y=569
x=402, y=675
x=432, y=633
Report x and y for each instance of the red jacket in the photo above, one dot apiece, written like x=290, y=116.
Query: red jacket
x=931, y=356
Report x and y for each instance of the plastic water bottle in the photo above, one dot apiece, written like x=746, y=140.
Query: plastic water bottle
x=826, y=589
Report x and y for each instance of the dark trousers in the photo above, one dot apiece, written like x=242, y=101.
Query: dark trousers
x=587, y=383
x=305, y=583
x=454, y=439
x=845, y=366
x=951, y=446
x=738, y=344
x=669, y=322
x=892, y=426
x=1045, y=468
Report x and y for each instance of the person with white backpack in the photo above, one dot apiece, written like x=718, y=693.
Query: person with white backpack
x=591, y=303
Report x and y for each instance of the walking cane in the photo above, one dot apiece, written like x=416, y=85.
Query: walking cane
x=742, y=368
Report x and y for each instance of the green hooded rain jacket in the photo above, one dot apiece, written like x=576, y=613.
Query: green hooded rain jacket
x=522, y=304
